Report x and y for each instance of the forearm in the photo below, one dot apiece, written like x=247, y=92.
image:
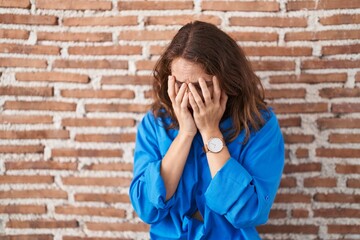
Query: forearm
x=215, y=160
x=174, y=161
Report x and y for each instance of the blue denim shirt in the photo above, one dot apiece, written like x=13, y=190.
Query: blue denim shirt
x=236, y=200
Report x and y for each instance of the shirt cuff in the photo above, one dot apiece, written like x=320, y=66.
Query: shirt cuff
x=155, y=186
x=227, y=186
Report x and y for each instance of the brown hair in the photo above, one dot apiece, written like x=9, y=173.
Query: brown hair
x=219, y=55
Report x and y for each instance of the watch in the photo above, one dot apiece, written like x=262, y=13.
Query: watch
x=214, y=145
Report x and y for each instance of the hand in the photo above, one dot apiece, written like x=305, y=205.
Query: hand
x=180, y=100
x=208, y=113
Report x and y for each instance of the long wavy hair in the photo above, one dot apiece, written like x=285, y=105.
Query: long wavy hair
x=205, y=44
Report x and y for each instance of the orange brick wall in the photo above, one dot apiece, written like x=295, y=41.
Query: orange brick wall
x=75, y=81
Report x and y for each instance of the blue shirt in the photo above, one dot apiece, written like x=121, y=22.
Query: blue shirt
x=236, y=200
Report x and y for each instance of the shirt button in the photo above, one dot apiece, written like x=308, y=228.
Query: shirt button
x=266, y=198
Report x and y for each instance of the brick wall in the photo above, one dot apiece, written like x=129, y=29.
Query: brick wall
x=75, y=81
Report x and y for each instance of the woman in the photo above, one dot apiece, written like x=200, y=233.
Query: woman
x=210, y=154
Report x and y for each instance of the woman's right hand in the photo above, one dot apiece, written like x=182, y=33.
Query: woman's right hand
x=180, y=101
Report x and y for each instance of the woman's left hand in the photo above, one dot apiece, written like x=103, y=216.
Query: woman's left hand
x=208, y=113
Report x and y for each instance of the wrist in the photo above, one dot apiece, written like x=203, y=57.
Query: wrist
x=206, y=135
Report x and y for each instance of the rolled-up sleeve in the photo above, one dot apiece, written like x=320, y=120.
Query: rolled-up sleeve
x=244, y=189
x=147, y=189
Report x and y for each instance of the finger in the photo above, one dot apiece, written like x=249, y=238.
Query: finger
x=205, y=91
x=171, y=88
x=217, y=90
x=197, y=98
x=185, y=101
x=193, y=103
x=179, y=97
x=223, y=100
x=176, y=88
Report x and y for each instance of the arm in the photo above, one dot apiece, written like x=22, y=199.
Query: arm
x=244, y=193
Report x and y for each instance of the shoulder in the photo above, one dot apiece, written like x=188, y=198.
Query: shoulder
x=149, y=120
x=270, y=121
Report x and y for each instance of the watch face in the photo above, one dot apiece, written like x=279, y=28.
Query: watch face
x=215, y=145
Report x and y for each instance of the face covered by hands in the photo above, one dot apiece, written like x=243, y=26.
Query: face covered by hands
x=201, y=93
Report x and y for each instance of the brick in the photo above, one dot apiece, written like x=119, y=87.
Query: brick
x=145, y=65
x=300, y=107
x=149, y=94
x=89, y=93
x=40, y=105
x=98, y=122
x=41, y=165
x=102, y=226
x=91, y=211
x=290, y=122
x=15, y=4
x=156, y=50
x=345, y=107
x=146, y=35
x=302, y=167
x=29, y=49
x=35, y=134
x=315, y=182
x=277, y=51
x=109, y=167
x=296, y=229
x=105, y=50
x=273, y=65
x=343, y=49
x=339, y=92
x=21, y=149
x=22, y=62
x=94, y=64
x=124, y=137
x=155, y=5
x=285, y=93
x=302, y=153
x=128, y=79
x=309, y=78
x=14, y=34
x=28, y=237
x=91, y=238
x=25, y=119
x=101, y=21
x=26, y=91
x=23, y=209
x=298, y=138
x=334, y=123
x=34, y=224
x=288, y=182
x=52, y=77
x=268, y=21
x=258, y=6
x=338, y=153
x=28, y=19
x=38, y=193
x=292, y=198
x=337, y=213
x=353, y=183
x=102, y=107
x=322, y=4
x=337, y=197
x=21, y=179
x=70, y=152
x=181, y=19
x=322, y=35
x=102, y=197
x=343, y=229
x=74, y=37
x=277, y=213
x=254, y=36
x=299, y=213
x=340, y=19
x=71, y=5
x=344, y=138
x=347, y=168
x=97, y=181
x=323, y=64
